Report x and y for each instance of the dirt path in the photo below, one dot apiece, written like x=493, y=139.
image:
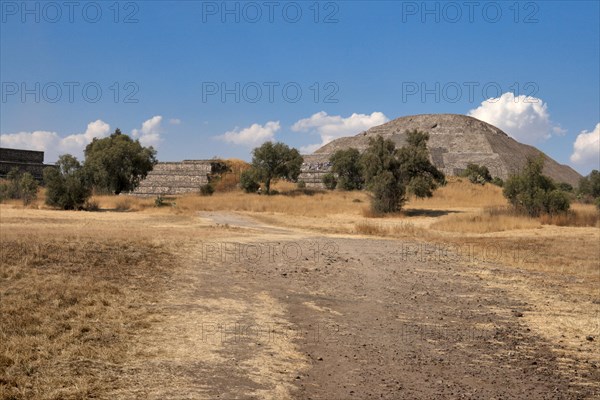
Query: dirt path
x=274, y=313
x=241, y=221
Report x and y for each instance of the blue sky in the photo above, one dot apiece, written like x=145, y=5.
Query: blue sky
x=162, y=66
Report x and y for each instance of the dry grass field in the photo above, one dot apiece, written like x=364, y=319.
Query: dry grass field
x=72, y=284
x=73, y=293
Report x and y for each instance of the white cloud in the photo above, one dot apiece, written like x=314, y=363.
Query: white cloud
x=175, y=121
x=523, y=117
x=96, y=129
x=149, y=134
x=586, y=149
x=52, y=144
x=331, y=127
x=253, y=135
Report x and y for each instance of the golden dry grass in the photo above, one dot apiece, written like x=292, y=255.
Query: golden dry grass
x=229, y=181
x=74, y=290
x=497, y=219
x=317, y=205
x=578, y=215
x=484, y=222
x=460, y=193
x=401, y=229
x=68, y=311
x=122, y=202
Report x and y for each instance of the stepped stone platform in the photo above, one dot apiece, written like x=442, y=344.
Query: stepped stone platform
x=454, y=141
x=176, y=178
x=314, y=167
x=25, y=160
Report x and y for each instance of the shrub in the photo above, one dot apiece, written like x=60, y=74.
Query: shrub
x=28, y=188
x=19, y=186
x=565, y=187
x=66, y=184
x=329, y=181
x=589, y=188
x=301, y=185
x=532, y=193
x=497, y=181
x=249, y=181
x=3, y=191
x=477, y=174
x=12, y=186
x=388, y=193
x=207, y=190
x=159, y=201
x=557, y=202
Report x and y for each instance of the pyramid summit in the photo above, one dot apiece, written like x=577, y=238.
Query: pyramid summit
x=454, y=141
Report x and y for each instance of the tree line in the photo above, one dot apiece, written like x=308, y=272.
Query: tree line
x=117, y=164
x=387, y=172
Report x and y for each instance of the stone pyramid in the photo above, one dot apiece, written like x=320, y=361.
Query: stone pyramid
x=454, y=141
x=175, y=178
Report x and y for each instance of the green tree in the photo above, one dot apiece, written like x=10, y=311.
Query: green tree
x=346, y=165
x=565, y=187
x=382, y=175
x=275, y=160
x=20, y=185
x=388, y=192
x=28, y=188
x=118, y=163
x=11, y=189
x=589, y=186
x=207, y=189
x=477, y=173
x=498, y=181
x=533, y=193
x=390, y=173
x=329, y=181
x=248, y=181
x=419, y=175
x=67, y=186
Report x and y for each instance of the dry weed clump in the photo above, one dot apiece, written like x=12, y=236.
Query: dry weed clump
x=498, y=219
x=68, y=309
x=398, y=229
x=121, y=202
x=486, y=221
x=580, y=215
